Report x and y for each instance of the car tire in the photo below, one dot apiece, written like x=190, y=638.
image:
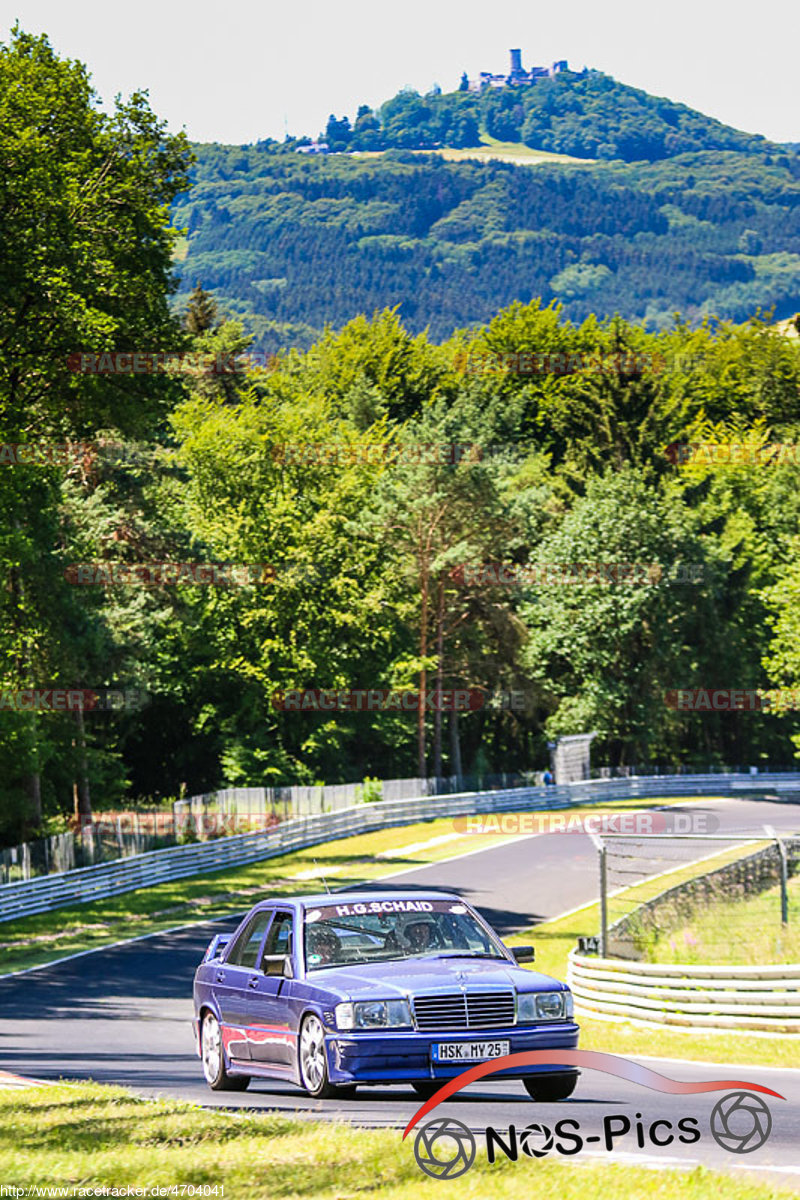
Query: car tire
x=313, y=1061
x=213, y=1057
x=548, y=1089
x=427, y=1087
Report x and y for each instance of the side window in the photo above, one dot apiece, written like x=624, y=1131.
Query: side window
x=279, y=938
x=244, y=951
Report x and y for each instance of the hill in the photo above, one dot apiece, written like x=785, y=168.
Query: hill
x=289, y=242
x=585, y=114
x=635, y=205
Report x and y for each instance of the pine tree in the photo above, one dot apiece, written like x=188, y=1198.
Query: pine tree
x=201, y=312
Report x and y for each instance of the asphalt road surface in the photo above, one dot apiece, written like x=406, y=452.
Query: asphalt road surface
x=122, y=1015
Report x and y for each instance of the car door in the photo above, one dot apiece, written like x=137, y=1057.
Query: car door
x=230, y=984
x=272, y=1041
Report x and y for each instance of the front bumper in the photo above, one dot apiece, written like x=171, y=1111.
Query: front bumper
x=404, y=1055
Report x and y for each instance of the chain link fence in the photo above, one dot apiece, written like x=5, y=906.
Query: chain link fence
x=700, y=898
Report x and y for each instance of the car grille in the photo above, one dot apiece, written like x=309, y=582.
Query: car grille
x=457, y=1010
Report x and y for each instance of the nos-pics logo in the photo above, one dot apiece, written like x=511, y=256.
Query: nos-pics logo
x=445, y=1148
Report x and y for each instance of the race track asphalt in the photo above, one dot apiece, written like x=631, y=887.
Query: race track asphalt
x=122, y=1015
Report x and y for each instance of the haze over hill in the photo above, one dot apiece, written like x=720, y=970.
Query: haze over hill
x=675, y=212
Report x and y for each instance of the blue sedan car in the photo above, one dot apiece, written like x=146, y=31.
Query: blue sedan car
x=337, y=990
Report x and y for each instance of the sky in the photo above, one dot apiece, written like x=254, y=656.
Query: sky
x=236, y=71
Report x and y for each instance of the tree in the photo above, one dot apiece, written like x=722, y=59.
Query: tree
x=605, y=652
x=87, y=246
x=201, y=311
x=86, y=268
x=782, y=659
x=434, y=515
x=338, y=134
x=464, y=84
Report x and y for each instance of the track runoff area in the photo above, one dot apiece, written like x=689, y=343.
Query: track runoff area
x=122, y=1015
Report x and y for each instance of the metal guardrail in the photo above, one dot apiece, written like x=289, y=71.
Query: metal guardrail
x=761, y=998
x=87, y=884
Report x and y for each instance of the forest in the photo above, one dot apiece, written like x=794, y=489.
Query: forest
x=587, y=114
x=402, y=501
x=289, y=243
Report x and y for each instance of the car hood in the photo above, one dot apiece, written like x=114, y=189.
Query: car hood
x=387, y=980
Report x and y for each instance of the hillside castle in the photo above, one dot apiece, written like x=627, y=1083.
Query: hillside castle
x=517, y=76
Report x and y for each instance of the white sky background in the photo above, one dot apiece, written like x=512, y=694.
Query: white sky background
x=236, y=71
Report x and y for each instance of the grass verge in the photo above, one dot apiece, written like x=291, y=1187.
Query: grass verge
x=746, y=931
x=555, y=939
x=90, y=1136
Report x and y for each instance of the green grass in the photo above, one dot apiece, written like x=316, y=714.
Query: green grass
x=351, y=861
x=35, y=940
x=44, y=937
x=494, y=149
x=555, y=939
x=746, y=931
x=94, y=1136
x=513, y=152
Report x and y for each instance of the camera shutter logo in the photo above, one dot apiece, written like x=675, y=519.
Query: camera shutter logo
x=536, y=1140
x=741, y=1122
x=449, y=1139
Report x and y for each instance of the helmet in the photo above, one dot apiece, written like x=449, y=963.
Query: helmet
x=412, y=928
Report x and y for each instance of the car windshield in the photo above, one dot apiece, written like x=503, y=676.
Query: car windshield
x=401, y=928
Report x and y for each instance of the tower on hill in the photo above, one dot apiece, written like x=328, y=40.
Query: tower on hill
x=517, y=76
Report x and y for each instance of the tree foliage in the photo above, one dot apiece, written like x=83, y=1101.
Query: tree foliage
x=388, y=493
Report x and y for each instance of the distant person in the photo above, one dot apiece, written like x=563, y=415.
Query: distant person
x=548, y=778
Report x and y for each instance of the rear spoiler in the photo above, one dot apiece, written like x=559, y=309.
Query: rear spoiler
x=216, y=946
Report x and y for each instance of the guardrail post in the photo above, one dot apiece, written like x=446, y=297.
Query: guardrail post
x=601, y=853
x=784, y=870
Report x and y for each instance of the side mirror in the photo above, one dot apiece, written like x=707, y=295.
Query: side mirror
x=523, y=953
x=278, y=964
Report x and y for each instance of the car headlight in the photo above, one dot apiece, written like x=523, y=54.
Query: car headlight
x=374, y=1014
x=543, y=1006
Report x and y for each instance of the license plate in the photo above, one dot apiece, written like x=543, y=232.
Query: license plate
x=468, y=1051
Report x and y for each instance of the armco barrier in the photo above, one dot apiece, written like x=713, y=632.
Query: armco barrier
x=178, y=862
x=744, y=998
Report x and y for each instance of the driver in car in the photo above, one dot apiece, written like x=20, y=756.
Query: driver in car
x=420, y=936
x=323, y=946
